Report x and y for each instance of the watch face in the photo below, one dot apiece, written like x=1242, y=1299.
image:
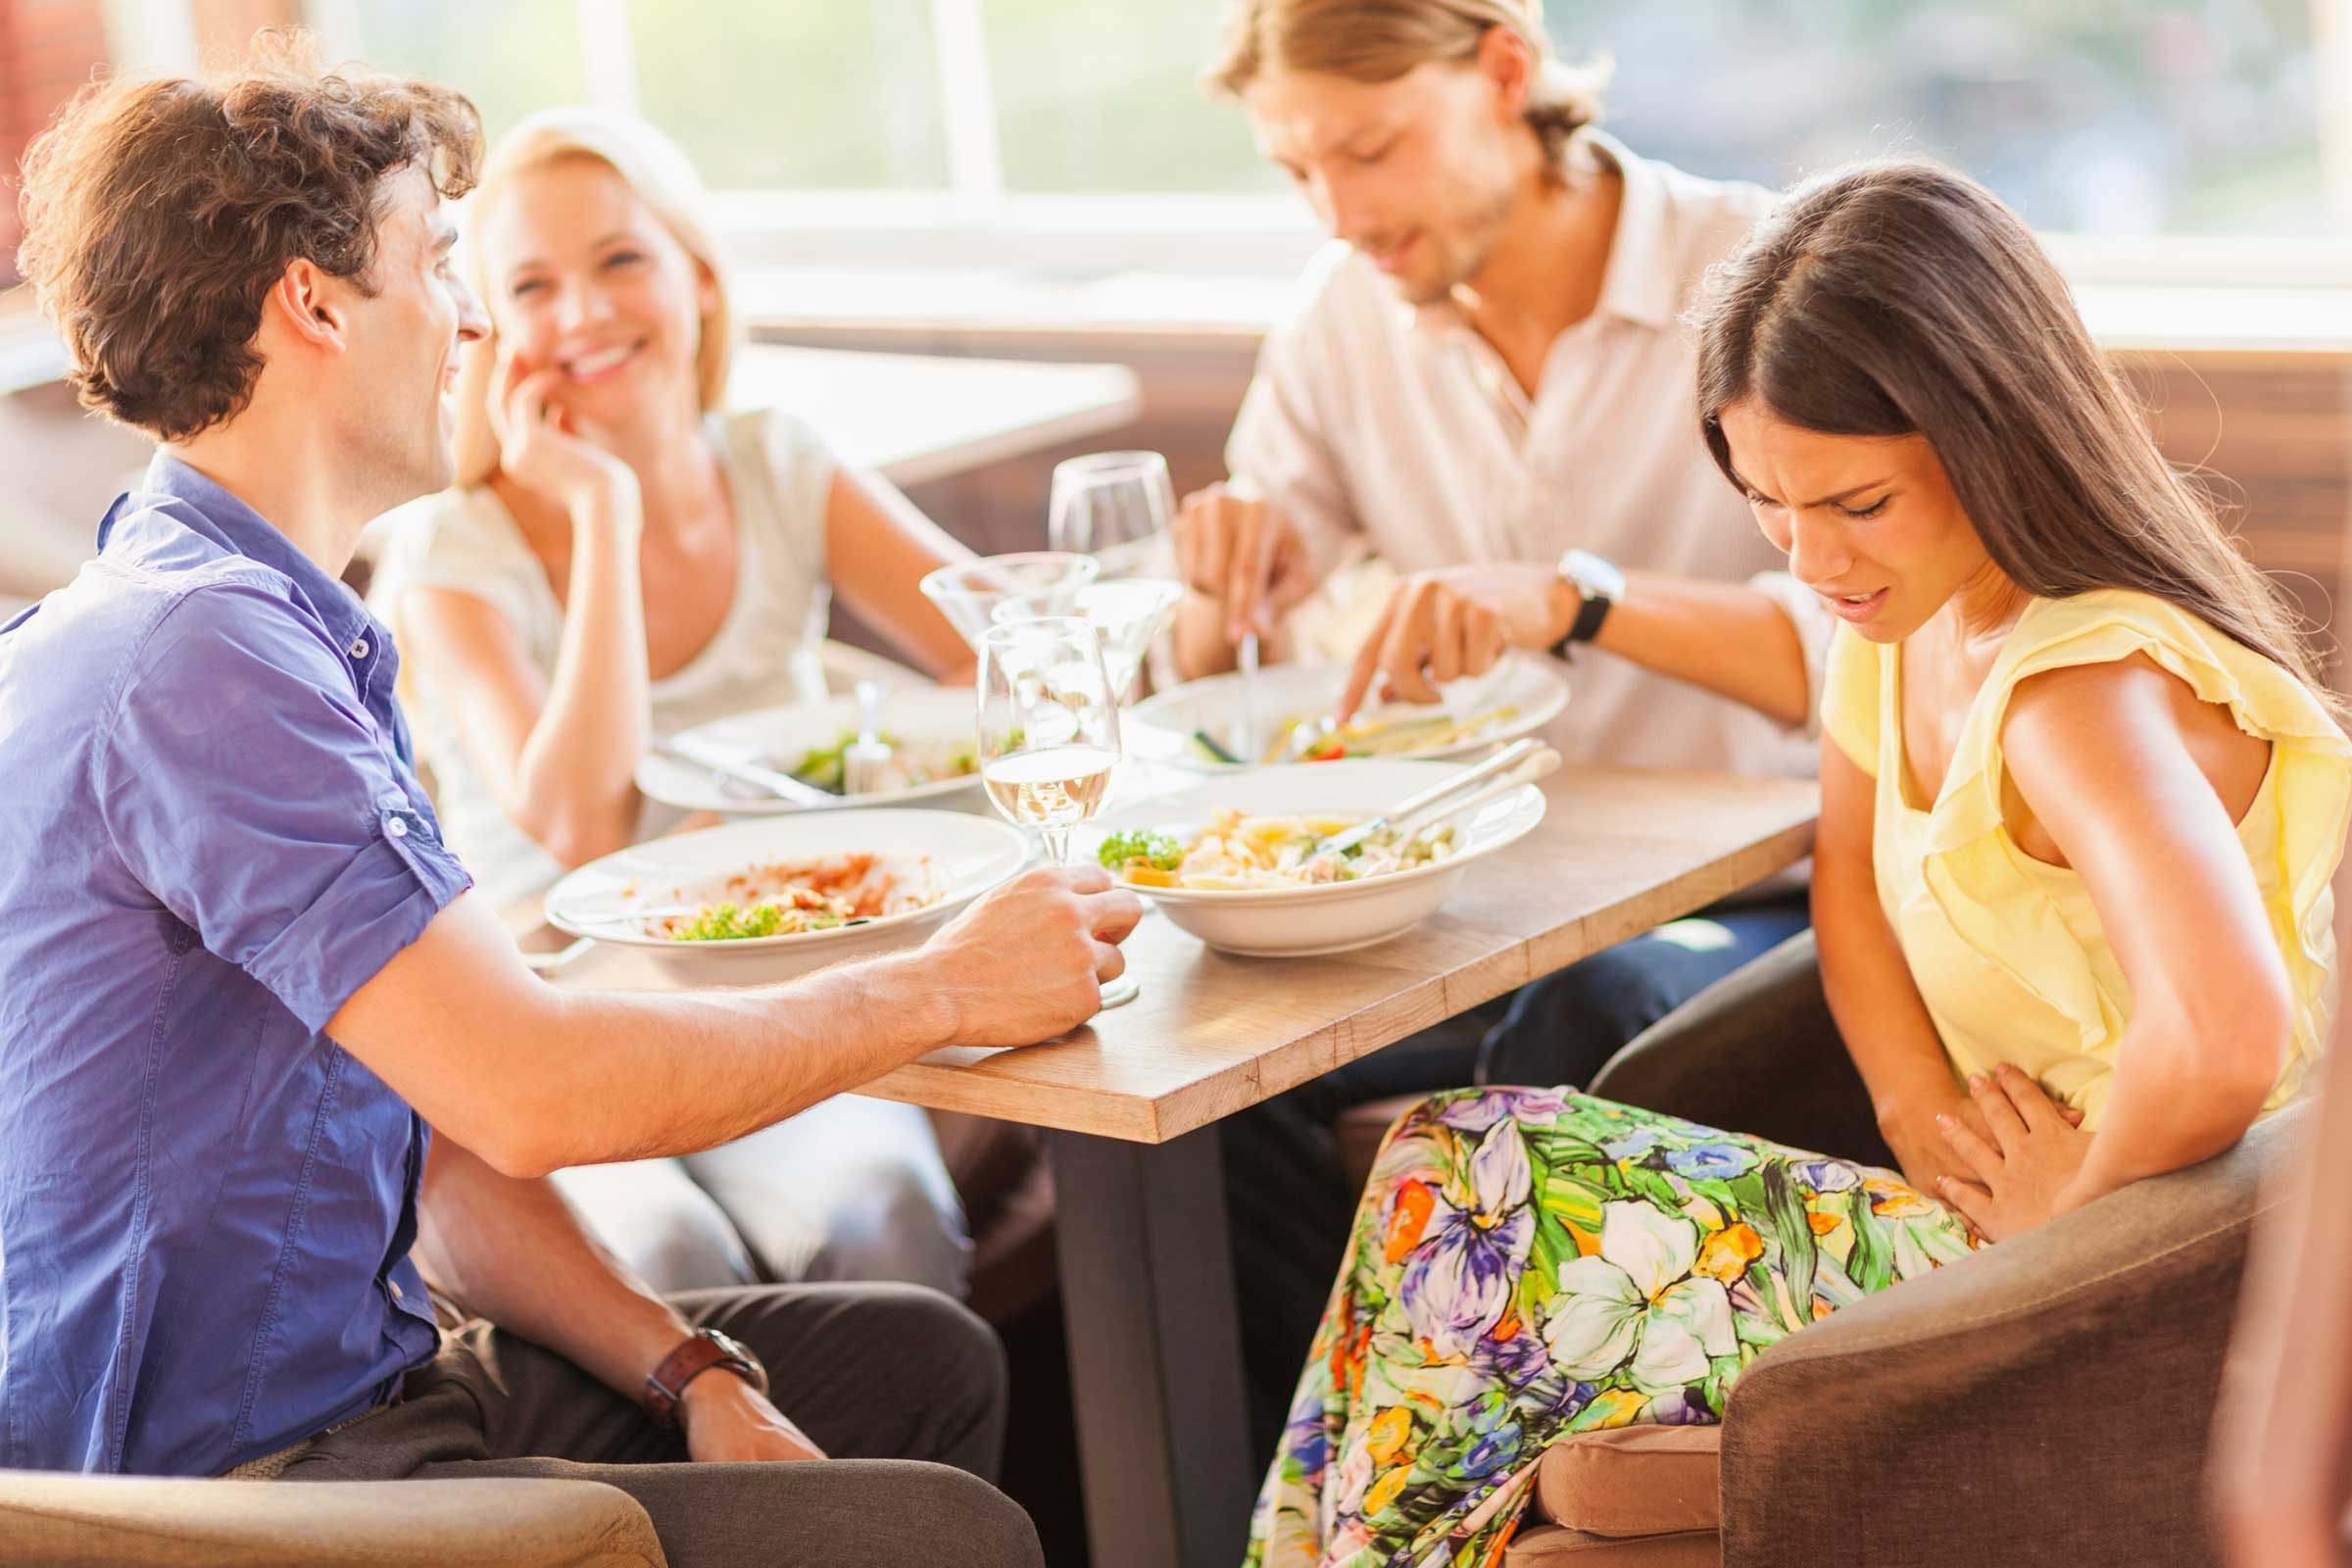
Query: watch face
x=741, y=1352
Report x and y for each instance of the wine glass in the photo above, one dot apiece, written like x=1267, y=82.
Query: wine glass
x=1049, y=733
x=1130, y=614
x=1113, y=506
x=967, y=591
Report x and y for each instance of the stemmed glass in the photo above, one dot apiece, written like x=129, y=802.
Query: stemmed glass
x=1130, y=614
x=967, y=591
x=1049, y=733
x=1113, y=506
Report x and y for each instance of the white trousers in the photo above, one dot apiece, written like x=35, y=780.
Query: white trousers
x=850, y=1189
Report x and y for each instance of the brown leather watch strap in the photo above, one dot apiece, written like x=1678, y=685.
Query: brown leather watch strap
x=695, y=1355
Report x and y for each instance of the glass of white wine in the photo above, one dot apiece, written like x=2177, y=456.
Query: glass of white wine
x=1049, y=733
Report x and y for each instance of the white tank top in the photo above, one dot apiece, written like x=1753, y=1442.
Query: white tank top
x=780, y=475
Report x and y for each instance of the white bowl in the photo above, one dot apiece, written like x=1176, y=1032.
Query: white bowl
x=973, y=853
x=1337, y=917
x=927, y=716
x=1161, y=727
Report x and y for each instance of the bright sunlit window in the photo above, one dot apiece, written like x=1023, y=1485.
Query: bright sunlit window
x=2201, y=117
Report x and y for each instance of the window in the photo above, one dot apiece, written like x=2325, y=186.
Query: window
x=510, y=57
x=2096, y=117
x=2196, y=117
x=1104, y=95
x=813, y=94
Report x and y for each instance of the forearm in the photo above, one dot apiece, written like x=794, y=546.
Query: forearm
x=637, y=1071
x=1885, y=1026
x=1725, y=638
x=534, y=1078
x=573, y=787
x=880, y=546
x=2172, y=1105
x=512, y=1250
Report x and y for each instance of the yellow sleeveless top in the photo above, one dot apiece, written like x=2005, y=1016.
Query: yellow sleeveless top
x=2006, y=950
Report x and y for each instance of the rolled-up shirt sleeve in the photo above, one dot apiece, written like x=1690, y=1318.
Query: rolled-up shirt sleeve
x=1814, y=625
x=247, y=788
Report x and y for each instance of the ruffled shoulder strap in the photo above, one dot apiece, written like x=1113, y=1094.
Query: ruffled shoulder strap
x=2312, y=760
x=2115, y=623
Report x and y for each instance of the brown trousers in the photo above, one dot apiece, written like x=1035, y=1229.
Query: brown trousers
x=904, y=1384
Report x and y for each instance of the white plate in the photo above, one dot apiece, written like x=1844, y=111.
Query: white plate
x=973, y=853
x=1336, y=916
x=1163, y=726
x=779, y=736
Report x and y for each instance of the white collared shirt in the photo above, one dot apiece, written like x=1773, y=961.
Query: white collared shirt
x=1372, y=424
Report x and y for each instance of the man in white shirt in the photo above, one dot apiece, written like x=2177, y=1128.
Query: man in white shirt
x=1486, y=384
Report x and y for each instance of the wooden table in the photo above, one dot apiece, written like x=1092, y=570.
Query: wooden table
x=1132, y=1099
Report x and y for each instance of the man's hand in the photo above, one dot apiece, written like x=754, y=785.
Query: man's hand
x=1236, y=551
x=1443, y=626
x=2025, y=1172
x=727, y=1421
x=1029, y=961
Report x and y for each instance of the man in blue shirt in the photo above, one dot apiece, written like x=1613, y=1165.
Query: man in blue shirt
x=260, y=1051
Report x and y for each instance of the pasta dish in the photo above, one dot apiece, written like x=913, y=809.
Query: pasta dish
x=1234, y=853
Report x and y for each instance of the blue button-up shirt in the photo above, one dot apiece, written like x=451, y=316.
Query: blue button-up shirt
x=210, y=836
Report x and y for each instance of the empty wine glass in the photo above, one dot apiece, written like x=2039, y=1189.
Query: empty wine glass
x=1130, y=614
x=969, y=590
x=1049, y=733
x=1116, y=507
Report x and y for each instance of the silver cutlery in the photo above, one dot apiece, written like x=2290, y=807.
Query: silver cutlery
x=1520, y=763
x=766, y=781
x=1249, y=746
x=866, y=760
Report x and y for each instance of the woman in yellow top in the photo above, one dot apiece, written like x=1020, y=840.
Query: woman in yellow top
x=2071, y=892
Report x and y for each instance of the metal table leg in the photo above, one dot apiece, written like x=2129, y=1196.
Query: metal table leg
x=1155, y=1356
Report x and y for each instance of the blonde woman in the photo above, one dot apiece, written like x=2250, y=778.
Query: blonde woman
x=623, y=555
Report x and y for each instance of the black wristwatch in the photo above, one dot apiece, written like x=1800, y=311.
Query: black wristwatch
x=1598, y=585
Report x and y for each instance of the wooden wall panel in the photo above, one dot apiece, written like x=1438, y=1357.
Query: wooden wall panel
x=48, y=49
x=2270, y=438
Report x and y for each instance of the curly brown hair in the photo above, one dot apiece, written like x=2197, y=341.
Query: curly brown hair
x=160, y=211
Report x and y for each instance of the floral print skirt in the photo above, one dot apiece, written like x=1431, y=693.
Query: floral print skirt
x=1531, y=1263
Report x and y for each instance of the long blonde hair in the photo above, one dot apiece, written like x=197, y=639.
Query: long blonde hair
x=659, y=174
x=1380, y=40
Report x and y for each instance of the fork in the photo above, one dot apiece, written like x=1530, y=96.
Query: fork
x=1524, y=760
x=865, y=759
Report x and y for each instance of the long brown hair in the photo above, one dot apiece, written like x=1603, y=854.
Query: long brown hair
x=1379, y=40
x=1902, y=298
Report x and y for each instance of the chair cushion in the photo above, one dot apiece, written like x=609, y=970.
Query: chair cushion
x=50, y=1520
x=1632, y=1481
x=1547, y=1546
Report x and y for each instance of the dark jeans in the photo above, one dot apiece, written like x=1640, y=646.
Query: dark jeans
x=903, y=1384
x=1288, y=1199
